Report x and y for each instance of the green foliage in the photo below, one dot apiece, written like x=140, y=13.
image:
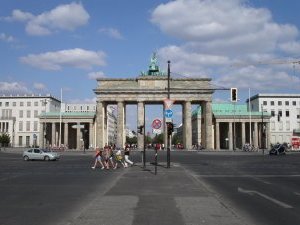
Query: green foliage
x=176, y=139
x=4, y=139
x=158, y=139
x=132, y=140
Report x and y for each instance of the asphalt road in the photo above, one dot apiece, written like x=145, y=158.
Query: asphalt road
x=200, y=188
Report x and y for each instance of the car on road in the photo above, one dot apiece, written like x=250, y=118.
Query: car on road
x=40, y=154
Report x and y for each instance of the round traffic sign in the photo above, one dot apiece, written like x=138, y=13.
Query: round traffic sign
x=156, y=124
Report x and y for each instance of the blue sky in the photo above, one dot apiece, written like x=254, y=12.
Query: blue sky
x=49, y=45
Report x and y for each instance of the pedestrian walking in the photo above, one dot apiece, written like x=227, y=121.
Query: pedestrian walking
x=98, y=158
x=126, y=155
x=119, y=159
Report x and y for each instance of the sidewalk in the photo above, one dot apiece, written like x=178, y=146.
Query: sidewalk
x=173, y=196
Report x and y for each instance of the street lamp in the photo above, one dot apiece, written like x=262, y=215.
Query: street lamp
x=44, y=102
x=262, y=129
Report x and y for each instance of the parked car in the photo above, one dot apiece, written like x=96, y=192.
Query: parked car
x=278, y=149
x=40, y=154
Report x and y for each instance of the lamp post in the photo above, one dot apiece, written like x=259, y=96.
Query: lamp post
x=262, y=130
x=44, y=102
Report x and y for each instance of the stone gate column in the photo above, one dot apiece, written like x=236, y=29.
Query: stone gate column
x=120, y=125
x=243, y=134
x=230, y=136
x=255, y=135
x=208, y=125
x=217, y=135
x=141, y=122
x=53, y=135
x=187, y=125
x=91, y=135
x=100, y=124
x=66, y=134
x=41, y=135
x=78, y=136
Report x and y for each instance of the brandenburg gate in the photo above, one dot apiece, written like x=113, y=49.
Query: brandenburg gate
x=152, y=88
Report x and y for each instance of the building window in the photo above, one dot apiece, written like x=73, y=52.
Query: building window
x=287, y=103
x=272, y=112
x=21, y=103
x=28, y=103
x=35, y=126
x=20, y=125
x=298, y=113
x=0, y=103
x=279, y=102
x=287, y=113
x=20, y=141
x=273, y=125
x=14, y=104
x=294, y=103
x=272, y=103
x=36, y=113
x=27, y=125
x=28, y=113
x=36, y=103
x=280, y=125
x=264, y=102
x=280, y=113
x=6, y=104
x=27, y=140
x=21, y=113
x=288, y=125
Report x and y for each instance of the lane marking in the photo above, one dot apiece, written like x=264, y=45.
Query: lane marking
x=252, y=192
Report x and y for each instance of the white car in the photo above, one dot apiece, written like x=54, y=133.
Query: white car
x=39, y=154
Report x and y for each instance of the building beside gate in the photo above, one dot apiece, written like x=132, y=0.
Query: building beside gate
x=233, y=126
x=285, y=114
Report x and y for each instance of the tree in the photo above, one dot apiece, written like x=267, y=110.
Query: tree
x=175, y=139
x=4, y=139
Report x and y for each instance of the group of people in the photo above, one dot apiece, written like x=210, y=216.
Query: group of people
x=109, y=157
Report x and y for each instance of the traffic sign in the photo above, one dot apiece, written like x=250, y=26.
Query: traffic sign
x=168, y=113
x=156, y=131
x=168, y=103
x=156, y=124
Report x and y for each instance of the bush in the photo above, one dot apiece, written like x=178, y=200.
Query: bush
x=4, y=139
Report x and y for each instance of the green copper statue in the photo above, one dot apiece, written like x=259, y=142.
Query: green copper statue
x=154, y=69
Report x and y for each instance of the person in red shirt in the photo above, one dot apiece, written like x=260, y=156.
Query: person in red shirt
x=98, y=158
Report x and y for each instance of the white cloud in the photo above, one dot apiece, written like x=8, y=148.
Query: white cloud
x=215, y=34
x=6, y=38
x=63, y=17
x=96, y=75
x=112, y=32
x=13, y=88
x=77, y=57
x=39, y=86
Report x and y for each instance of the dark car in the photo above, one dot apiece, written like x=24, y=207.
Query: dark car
x=278, y=149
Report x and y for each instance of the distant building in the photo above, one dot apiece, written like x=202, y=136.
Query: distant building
x=41, y=120
x=19, y=116
x=285, y=114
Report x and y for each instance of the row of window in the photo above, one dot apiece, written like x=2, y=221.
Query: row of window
x=36, y=103
x=287, y=113
x=280, y=103
x=280, y=125
x=28, y=126
x=28, y=113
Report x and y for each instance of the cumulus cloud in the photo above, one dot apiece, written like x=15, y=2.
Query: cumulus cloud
x=13, y=88
x=215, y=34
x=39, y=86
x=96, y=75
x=77, y=57
x=6, y=38
x=112, y=32
x=63, y=17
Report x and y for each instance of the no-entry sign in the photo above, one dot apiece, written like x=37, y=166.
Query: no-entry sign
x=156, y=124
